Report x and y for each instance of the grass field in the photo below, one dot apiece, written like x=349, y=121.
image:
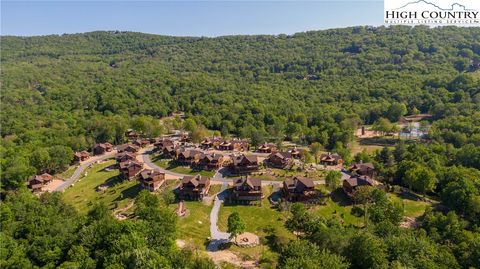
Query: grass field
x=412, y=208
x=357, y=147
x=214, y=189
x=256, y=218
x=67, y=173
x=83, y=195
x=195, y=227
x=165, y=163
x=337, y=205
x=275, y=174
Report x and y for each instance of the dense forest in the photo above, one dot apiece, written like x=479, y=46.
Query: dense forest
x=62, y=94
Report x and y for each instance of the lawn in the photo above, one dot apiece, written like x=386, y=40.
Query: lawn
x=83, y=195
x=195, y=227
x=357, y=147
x=338, y=205
x=67, y=173
x=166, y=164
x=214, y=189
x=275, y=174
x=412, y=208
x=256, y=218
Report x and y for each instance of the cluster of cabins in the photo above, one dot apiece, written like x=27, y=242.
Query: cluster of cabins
x=220, y=144
x=295, y=189
x=188, y=156
x=359, y=174
x=98, y=149
x=246, y=188
x=131, y=168
x=239, y=163
x=197, y=158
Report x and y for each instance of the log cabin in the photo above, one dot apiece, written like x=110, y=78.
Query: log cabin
x=243, y=164
x=299, y=189
x=194, y=187
x=247, y=189
x=102, y=148
x=152, y=180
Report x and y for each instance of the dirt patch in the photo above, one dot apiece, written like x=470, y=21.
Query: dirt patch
x=181, y=210
x=366, y=134
x=219, y=257
x=208, y=200
x=121, y=213
x=409, y=222
x=121, y=216
x=180, y=243
x=50, y=187
x=247, y=240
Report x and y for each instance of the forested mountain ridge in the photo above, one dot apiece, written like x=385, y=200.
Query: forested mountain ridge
x=73, y=90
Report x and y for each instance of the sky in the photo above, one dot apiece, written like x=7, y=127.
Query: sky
x=185, y=18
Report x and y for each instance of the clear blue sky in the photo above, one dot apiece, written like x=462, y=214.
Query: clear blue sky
x=185, y=18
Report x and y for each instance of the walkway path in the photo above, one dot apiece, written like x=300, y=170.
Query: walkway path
x=217, y=237
x=83, y=165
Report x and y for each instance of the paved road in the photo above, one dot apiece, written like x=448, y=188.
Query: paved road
x=78, y=172
x=217, y=237
x=148, y=162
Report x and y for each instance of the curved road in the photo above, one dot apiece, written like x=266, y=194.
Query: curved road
x=146, y=160
x=84, y=165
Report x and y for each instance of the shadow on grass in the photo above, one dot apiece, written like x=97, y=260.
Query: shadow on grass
x=113, y=181
x=110, y=182
x=339, y=197
x=173, y=165
x=109, y=168
x=218, y=244
x=409, y=196
x=130, y=192
x=191, y=170
x=379, y=141
x=159, y=157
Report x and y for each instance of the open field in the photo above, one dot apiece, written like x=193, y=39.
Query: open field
x=165, y=163
x=275, y=174
x=257, y=219
x=83, y=194
x=338, y=206
x=195, y=227
x=412, y=207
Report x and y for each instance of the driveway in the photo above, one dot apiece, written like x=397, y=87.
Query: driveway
x=84, y=165
x=217, y=237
